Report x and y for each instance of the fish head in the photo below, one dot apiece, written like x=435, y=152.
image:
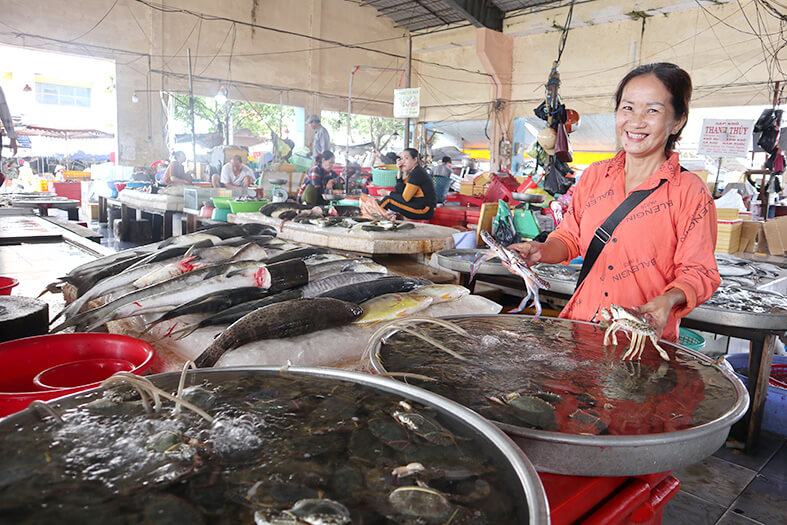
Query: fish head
x=263, y=277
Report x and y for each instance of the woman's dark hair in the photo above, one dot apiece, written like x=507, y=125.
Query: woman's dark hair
x=412, y=152
x=325, y=155
x=446, y=159
x=677, y=82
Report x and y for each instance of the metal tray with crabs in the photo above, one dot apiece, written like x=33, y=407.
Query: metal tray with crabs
x=262, y=446
x=572, y=404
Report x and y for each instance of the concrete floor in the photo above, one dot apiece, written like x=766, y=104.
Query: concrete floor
x=729, y=487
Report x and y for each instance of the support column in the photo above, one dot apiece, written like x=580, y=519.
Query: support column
x=315, y=67
x=496, y=51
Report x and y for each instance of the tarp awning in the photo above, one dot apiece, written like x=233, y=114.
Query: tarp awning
x=39, y=131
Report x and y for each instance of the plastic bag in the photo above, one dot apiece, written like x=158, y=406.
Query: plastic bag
x=555, y=180
x=503, y=226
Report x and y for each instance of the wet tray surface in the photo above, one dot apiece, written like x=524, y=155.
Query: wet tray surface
x=553, y=381
x=323, y=446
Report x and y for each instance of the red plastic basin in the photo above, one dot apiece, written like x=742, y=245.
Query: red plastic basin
x=86, y=373
x=6, y=283
x=22, y=360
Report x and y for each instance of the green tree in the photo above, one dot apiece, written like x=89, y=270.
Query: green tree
x=377, y=130
x=260, y=119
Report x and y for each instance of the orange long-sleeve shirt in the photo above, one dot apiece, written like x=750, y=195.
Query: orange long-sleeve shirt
x=667, y=241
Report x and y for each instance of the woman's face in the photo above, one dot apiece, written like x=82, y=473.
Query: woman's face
x=645, y=118
x=407, y=163
x=327, y=164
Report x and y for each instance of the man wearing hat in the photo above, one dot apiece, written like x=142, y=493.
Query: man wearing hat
x=322, y=141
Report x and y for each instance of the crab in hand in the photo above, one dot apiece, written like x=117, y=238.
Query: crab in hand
x=616, y=318
x=515, y=265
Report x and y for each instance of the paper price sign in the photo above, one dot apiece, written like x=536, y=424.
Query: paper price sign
x=725, y=138
x=407, y=103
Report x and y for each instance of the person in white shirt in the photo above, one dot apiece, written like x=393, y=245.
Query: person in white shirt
x=234, y=174
x=322, y=141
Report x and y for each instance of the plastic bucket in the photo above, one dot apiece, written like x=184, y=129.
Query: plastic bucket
x=441, y=187
x=6, y=284
x=82, y=373
x=22, y=360
x=774, y=417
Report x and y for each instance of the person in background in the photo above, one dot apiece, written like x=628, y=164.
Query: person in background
x=234, y=174
x=659, y=259
x=385, y=159
x=322, y=141
x=320, y=179
x=414, y=195
x=176, y=173
x=8, y=126
x=445, y=171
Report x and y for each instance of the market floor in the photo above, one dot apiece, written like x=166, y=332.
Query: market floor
x=733, y=488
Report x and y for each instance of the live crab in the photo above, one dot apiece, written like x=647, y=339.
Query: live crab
x=515, y=265
x=616, y=318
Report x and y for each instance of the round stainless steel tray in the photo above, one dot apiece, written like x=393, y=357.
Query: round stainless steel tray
x=726, y=317
x=461, y=260
x=616, y=455
x=524, y=474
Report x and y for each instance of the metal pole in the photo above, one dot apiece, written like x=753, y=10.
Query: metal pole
x=408, y=70
x=150, y=114
x=716, y=183
x=191, y=115
x=349, y=113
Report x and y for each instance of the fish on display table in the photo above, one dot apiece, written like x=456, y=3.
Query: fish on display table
x=178, y=290
x=285, y=319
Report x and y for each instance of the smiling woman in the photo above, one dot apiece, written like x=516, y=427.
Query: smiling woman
x=645, y=227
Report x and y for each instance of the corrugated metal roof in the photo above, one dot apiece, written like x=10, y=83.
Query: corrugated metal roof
x=423, y=14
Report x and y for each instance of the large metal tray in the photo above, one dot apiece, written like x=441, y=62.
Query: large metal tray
x=461, y=260
x=725, y=317
x=523, y=476
x=619, y=455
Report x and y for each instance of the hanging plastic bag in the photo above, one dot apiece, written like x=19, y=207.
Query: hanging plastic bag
x=555, y=180
x=503, y=225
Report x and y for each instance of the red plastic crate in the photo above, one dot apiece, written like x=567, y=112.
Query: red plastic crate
x=375, y=190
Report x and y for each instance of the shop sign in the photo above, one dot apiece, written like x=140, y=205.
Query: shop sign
x=407, y=103
x=725, y=138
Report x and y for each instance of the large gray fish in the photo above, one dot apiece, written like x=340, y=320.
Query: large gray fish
x=360, y=292
x=178, y=290
x=326, y=269
x=280, y=320
x=213, y=302
x=230, y=315
x=274, y=209
x=298, y=253
x=152, y=273
x=315, y=288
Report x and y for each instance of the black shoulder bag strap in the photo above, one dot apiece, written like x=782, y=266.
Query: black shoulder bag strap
x=604, y=232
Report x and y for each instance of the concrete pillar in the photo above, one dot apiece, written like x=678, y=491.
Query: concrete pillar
x=141, y=137
x=496, y=51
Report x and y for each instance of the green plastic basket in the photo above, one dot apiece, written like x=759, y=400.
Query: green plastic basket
x=691, y=339
x=384, y=178
x=247, y=206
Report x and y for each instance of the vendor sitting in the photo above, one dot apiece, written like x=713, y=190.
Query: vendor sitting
x=175, y=173
x=234, y=175
x=320, y=179
x=414, y=195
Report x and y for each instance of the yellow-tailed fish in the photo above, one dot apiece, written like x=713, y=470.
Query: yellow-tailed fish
x=392, y=306
x=442, y=293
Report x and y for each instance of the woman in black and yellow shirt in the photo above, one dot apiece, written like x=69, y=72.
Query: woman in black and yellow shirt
x=414, y=195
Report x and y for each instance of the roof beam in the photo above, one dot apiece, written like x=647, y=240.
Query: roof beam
x=480, y=13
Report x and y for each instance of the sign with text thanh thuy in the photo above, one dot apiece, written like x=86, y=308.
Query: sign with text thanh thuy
x=725, y=137
x=407, y=103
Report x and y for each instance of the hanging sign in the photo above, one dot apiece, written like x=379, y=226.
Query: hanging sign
x=407, y=103
x=725, y=138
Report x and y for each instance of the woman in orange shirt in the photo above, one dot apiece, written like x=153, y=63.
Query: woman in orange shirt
x=660, y=258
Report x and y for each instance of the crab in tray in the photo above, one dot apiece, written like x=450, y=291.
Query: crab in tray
x=516, y=265
x=616, y=318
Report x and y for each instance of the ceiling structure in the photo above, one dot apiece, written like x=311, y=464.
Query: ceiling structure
x=416, y=15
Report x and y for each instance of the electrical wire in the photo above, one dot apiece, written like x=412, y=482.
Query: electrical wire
x=96, y=24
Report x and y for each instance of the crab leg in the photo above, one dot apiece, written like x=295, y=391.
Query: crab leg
x=480, y=259
x=523, y=303
x=662, y=352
